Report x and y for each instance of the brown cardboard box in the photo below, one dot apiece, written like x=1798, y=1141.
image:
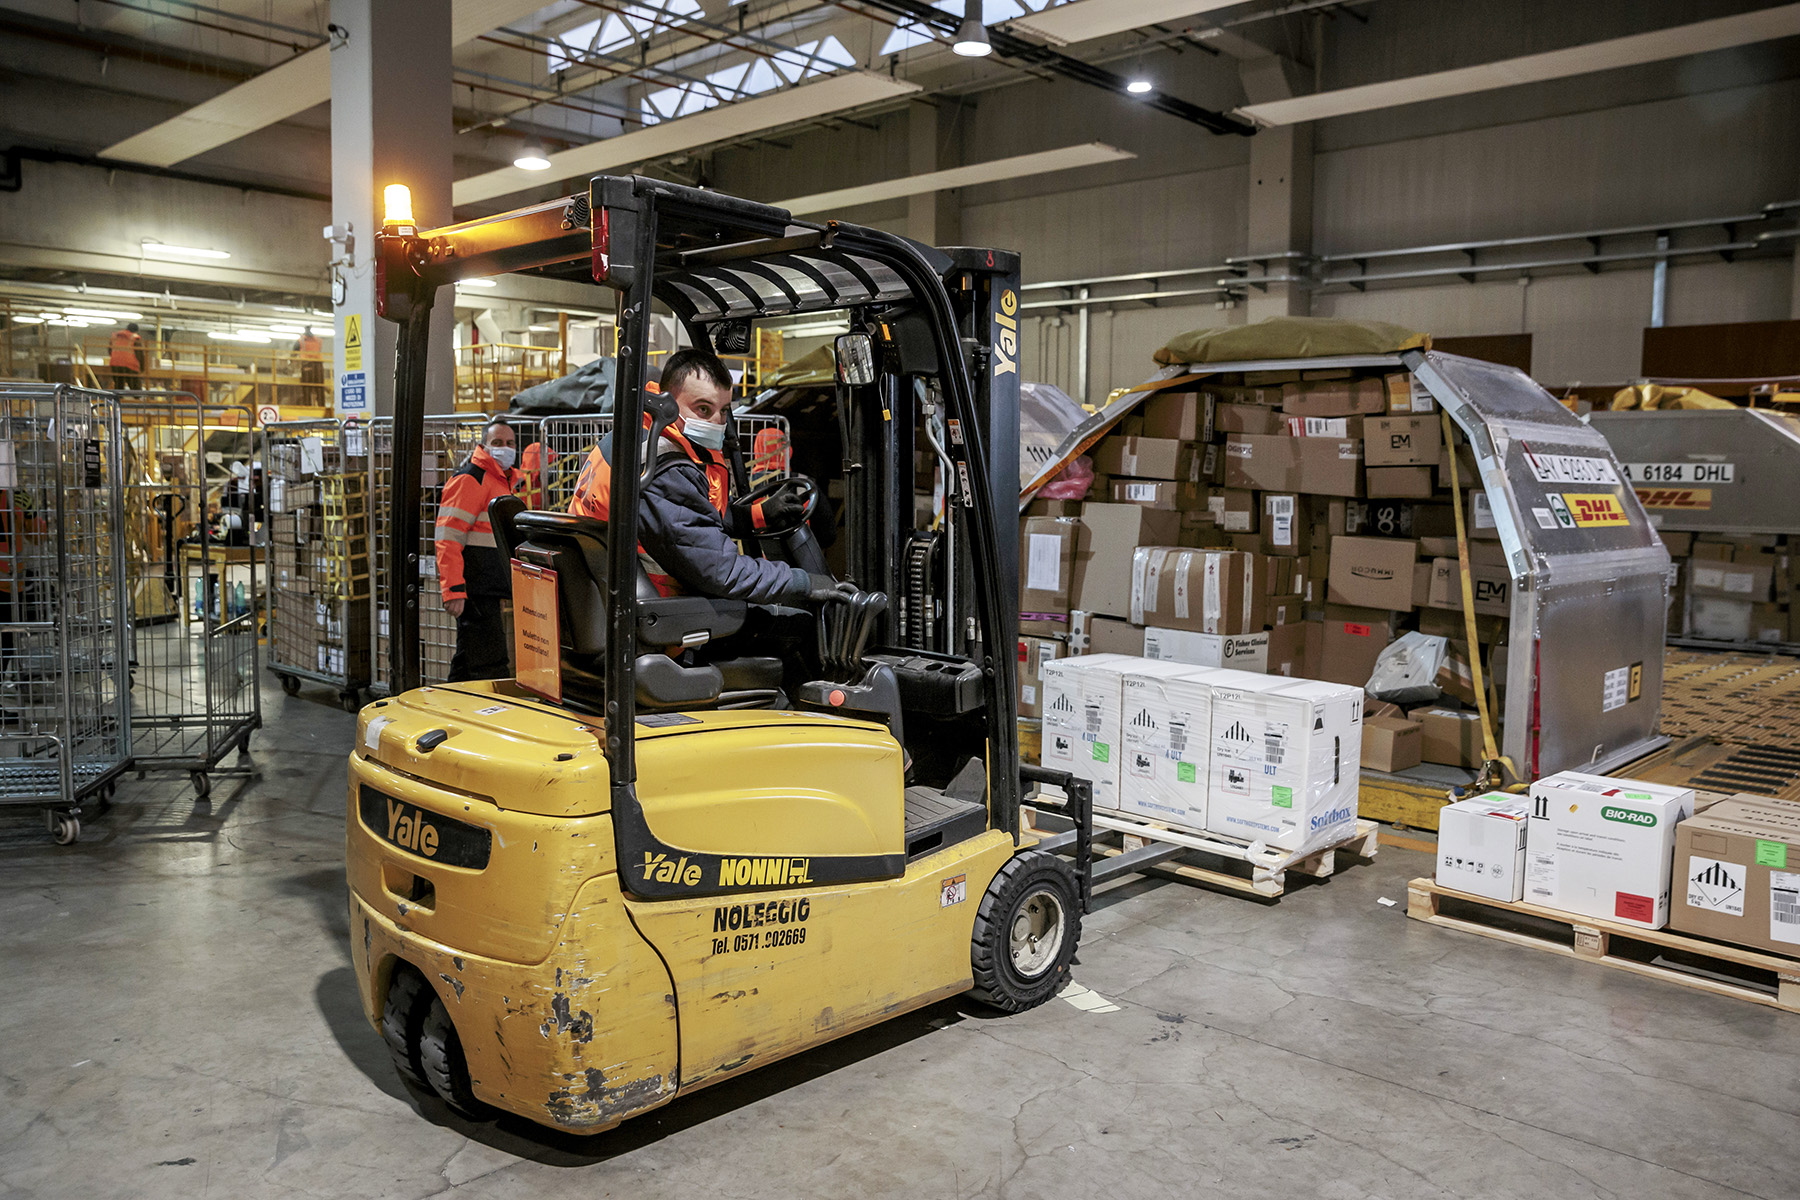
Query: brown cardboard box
x=1712, y=551
x=1398, y=390
x=1449, y=737
x=1456, y=678
x=1107, y=537
x=1246, y=418
x=1285, y=530
x=1732, y=581
x=1402, y=442
x=1053, y=508
x=1090, y=633
x=1421, y=584
x=1438, y=622
x=1140, y=457
x=1342, y=428
x=1034, y=652
x=1491, y=581
x=1264, y=378
x=1184, y=416
x=1159, y=494
x=1372, y=572
x=1263, y=461
x=1234, y=510
x=1400, y=483
x=1680, y=545
x=1351, y=640
x=1046, y=566
x=1728, y=861
x=1324, y=467
x=1391, y=743
x=1334, y=398
x=1768, y=623
x=1287, y=649
x=1381, y=708
x=1206, y=591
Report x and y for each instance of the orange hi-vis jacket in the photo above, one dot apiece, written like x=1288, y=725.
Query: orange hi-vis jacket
x=469, y=560
x=532, y=462
x=125, y=346
x=691, y=527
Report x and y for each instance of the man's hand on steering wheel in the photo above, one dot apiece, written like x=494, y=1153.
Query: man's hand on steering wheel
x=780, y=506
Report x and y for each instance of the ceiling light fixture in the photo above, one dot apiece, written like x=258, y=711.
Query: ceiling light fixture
x=242, y=335
x=477, y=283
x=156, y=249
x=532, y=157
x=108, y=313
x=972, y=36
x=1139, y=87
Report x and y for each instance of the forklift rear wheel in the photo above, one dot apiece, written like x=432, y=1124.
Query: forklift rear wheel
x=402, y=1019
x=1025, y=932
x=441, y=1054
x=290, y=685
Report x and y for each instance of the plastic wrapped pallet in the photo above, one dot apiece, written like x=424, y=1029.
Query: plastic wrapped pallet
x=1081, y=720
x=1165, y=722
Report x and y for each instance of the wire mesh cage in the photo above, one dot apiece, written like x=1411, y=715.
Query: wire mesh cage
x=316, y=499
x=194, y=581
x=65, y=730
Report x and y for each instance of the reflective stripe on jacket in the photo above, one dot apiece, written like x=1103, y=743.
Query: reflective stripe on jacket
x=469, y=560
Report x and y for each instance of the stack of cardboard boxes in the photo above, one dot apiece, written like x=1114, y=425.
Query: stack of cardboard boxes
x=1285, y=523
x=1634, y=853
x=1250, y=757
x=1734, y=587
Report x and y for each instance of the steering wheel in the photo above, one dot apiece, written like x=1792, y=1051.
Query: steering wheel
x=808, y=495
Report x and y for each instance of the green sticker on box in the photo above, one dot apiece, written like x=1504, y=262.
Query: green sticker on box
x=1184, y=772
x=1281, y=797
x=1639, y=796
x=1102, y=752
x=1771, y=854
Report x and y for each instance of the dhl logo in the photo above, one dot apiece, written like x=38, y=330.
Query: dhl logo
x=1595, y=509
x=1688, y=498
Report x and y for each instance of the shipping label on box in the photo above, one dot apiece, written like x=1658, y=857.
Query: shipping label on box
x=1034, y=652
x=1481, y=846
x=1238, y=652
x=1603, y=847
x=1285, y=757
x=1166, y=720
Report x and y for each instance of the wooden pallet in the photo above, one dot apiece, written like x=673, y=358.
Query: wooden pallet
x=1262, y=875
x=1729, y=970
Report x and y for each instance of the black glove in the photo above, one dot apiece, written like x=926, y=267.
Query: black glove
x=820, y=588
x=782, y=510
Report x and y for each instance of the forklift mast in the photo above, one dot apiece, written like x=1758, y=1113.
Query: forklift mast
x=715, y=259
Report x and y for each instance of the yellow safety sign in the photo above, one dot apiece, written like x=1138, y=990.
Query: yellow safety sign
x=353, y=342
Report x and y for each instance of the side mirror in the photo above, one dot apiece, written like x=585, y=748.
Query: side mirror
x=855, y=353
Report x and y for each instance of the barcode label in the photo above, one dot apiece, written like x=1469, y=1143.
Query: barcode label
x=1178, y=736
x=1274, y=744
x=1093, y=719
x=1784, y=907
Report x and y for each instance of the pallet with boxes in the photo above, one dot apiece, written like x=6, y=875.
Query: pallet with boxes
x=1291, y=523
x=1632, y=874
x=1734, y=588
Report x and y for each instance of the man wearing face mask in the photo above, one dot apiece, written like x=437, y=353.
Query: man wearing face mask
x=686, y=523
x=473, y=573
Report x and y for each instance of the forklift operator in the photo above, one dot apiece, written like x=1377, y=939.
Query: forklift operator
x=686, y=522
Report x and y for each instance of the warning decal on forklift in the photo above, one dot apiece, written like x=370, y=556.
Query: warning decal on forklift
x=1591, y=509
x=953, y=891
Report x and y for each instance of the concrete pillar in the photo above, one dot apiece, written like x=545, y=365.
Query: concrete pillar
x=934, y=218
x=390, y=123
x=1281, y=179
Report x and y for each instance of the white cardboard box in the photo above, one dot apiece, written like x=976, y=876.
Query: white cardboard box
x=1286, y=760
x=1603, y=847
x=1081, y=720
x=1166, y=725
x=1481, y=845
x=1235, y=651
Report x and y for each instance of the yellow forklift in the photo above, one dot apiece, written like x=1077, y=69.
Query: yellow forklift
x=670, y=852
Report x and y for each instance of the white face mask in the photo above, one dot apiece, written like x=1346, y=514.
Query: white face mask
x=504, y=455
x=703, y=433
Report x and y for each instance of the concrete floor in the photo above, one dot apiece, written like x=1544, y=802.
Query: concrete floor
x=179, y=1020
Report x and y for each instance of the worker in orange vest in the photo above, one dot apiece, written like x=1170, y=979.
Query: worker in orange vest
x=127, y=367
x=312, y=362
x=474, y=575
x=532, y=463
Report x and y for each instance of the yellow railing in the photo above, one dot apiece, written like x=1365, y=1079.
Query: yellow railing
x=490, y=374
x=217, y=372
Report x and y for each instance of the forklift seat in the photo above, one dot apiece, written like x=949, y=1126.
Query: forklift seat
x=576, y=549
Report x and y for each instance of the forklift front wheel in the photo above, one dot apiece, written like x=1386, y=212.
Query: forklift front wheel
x=1025, y=932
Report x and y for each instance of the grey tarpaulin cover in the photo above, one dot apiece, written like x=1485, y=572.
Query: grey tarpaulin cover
x=588, y=388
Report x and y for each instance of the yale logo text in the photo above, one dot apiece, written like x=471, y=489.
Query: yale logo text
x=663, y=869
x=411, y=831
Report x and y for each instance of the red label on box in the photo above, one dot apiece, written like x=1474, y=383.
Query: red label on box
x=1357, y=630
x=1633, y=908
x=1021, y=651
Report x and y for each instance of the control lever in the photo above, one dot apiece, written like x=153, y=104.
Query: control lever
x=663, y=413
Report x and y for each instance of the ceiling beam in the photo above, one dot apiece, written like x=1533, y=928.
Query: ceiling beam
x=281, y=92
x=1084, y=20
x=995, y=170
x=1635, y=49
x=834, y=93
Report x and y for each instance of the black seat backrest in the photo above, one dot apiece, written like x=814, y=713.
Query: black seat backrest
x=502, y=511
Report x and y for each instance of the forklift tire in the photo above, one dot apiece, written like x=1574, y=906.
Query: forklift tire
x=1025, y=932
x=402, y=1019
x=441, y=1054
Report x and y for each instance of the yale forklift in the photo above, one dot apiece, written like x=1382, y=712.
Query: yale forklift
x=667, y=853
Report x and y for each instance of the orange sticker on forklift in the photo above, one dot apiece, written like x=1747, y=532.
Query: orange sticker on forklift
x=1688, y=498
x=537, y=636
x=953, y=891
x=1595, y=508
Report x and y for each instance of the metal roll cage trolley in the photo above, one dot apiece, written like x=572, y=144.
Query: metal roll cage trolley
x=719, y=263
